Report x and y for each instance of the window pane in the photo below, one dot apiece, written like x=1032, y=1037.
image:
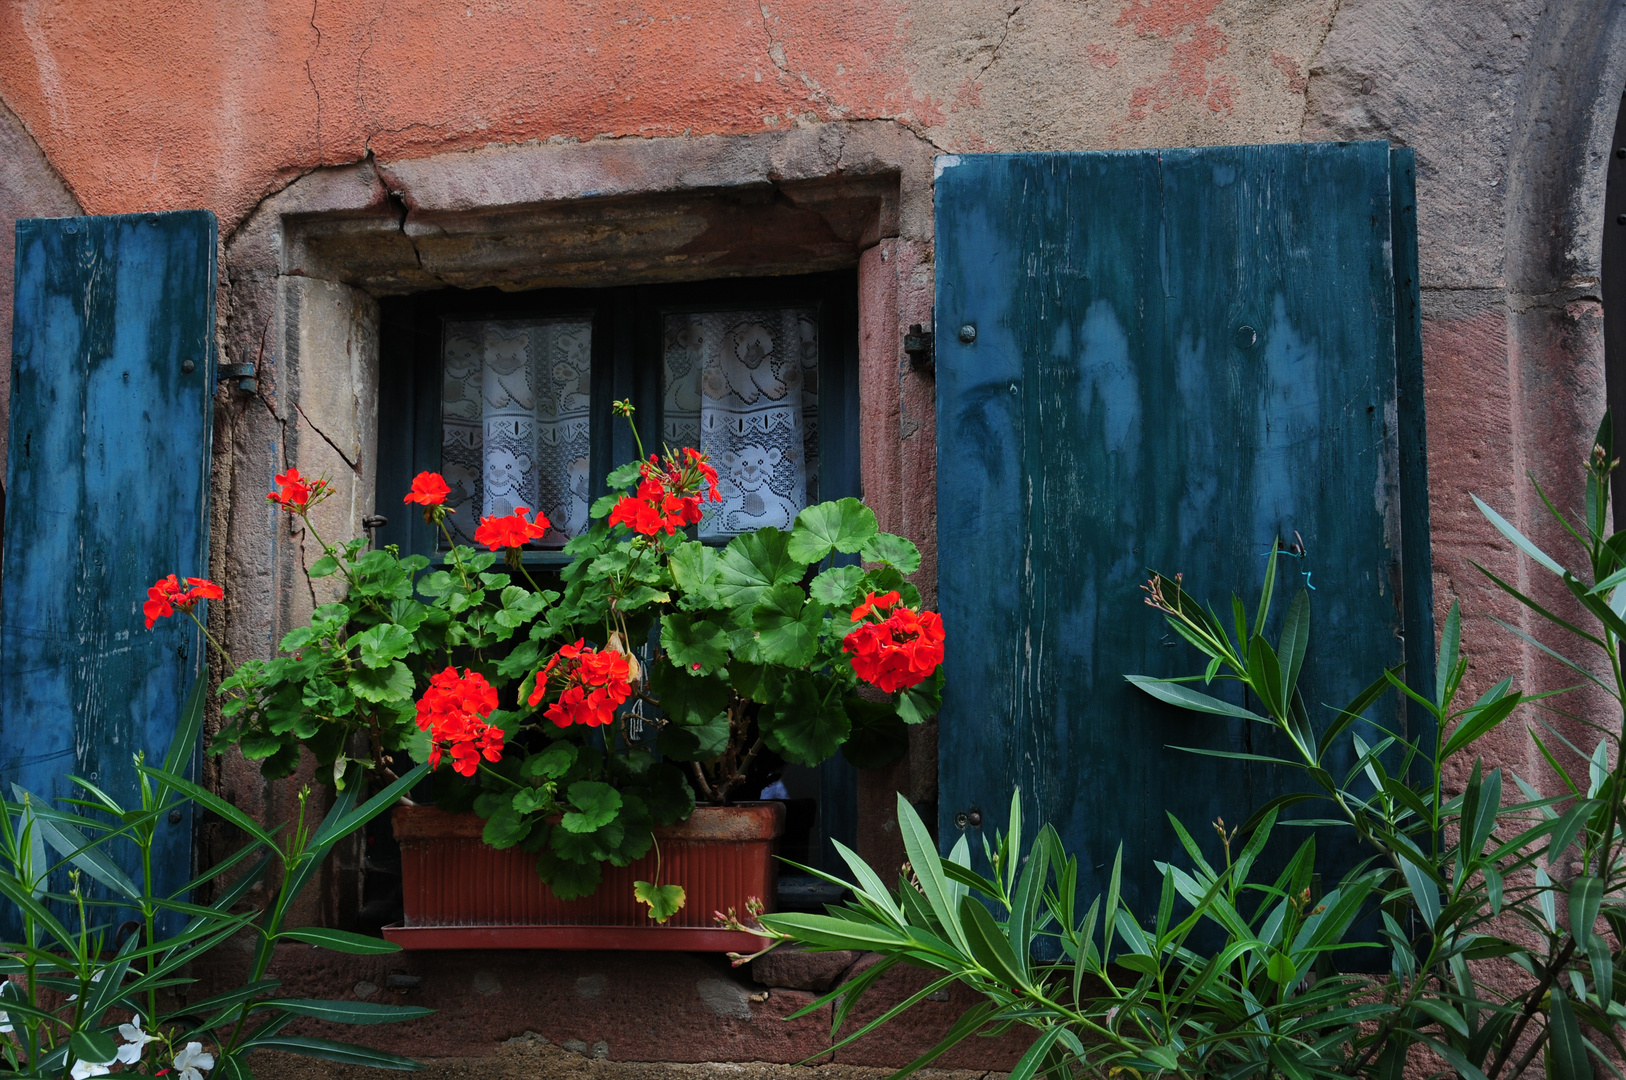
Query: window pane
x=514, y=421
x=743, y=386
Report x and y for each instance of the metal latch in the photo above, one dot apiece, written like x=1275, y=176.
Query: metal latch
x=918, y=344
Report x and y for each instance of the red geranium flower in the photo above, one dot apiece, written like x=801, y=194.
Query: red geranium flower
x=901, y=650
x=592, y=681
x=296, y=494
x=453, y=711
x=669, y=495
x=428, y=489
x=511, y=532
x=167, y=594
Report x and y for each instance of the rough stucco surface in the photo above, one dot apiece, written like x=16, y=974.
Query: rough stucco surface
x=148, y=106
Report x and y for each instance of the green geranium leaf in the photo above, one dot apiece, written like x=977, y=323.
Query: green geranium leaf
x=384, y=643
x=845, y=525
x=382, y=684
x=602, y=506
x=695, y=742
x=324, y=567
x=695, y=569
x=596, y=805
x=753, y=563
x=787, y=627
x=894, y=551
x=570, y=879
x=408, y=614
x=552, y=763
x=505, y=828
x=257, y=745
x=838, y=586
x=687, y=698
x=801, y=727
x=669, y=798
x=294, y=640
x=878, y=737
x=690, y=641
x=625, y=476
x=598, y=845
x=922, y=702
x=663, y=900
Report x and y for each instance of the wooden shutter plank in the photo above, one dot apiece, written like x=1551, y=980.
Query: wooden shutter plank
x=107, y=490
x=1112, y=416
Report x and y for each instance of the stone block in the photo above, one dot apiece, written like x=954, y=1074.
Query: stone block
x=796, y=968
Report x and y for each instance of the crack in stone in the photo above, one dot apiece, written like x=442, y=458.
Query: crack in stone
x=1005, y=32
x=342, y=455
x=1310, y=63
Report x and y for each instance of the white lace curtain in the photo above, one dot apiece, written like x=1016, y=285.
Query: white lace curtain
x=743, y=386
x=740, y=385
x=515, y=421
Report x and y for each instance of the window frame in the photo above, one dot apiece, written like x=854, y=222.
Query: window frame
x=628, y=362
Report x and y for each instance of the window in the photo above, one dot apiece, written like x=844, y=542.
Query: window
x=508, y=396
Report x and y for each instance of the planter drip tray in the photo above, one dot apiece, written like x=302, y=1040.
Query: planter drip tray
x=460, y=894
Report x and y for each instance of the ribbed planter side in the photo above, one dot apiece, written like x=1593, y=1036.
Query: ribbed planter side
x=459, y=893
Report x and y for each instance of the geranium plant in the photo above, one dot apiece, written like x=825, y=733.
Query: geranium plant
x=656, y=671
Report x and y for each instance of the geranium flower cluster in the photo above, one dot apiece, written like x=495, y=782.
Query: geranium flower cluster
x=897, y=650
x=167, y=595
x=512, y=531
x=453, y=710
x=593, y=682
x=295, y=494
x=669, y=495
x=429, y=490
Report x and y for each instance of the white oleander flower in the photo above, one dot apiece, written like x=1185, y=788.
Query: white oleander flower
x=83, y=1070
x=193, y=1062
x=135, y=1040
x=5, y=1023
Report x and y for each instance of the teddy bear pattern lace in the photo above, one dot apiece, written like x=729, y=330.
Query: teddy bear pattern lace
x=743, y=387
x=515, y=429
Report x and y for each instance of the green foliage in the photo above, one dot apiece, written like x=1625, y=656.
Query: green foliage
x=737, y=653
x=1235, y=976
x=77, y=940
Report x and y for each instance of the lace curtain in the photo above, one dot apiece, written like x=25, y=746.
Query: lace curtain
x=743, y=387
x=514, y=421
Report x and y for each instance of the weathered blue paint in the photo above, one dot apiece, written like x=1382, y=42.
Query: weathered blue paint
x=107, y=489
x=1180, y=357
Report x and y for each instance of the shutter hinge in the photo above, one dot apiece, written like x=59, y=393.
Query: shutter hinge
x=243, y=373
x=918, y=344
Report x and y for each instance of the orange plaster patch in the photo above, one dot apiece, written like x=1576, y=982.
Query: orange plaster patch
x=1100, y=56
x=1197, y=44
x=1289, y=66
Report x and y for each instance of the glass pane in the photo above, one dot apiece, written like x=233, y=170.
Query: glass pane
x=514, y=421
x=744, y=387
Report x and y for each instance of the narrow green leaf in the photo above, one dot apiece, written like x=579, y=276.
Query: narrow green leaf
x=1518, y=538
x=1450, y=648
x=345, y=1053
x=347, y=1012
x=1176, y=694
x=1295, y=640
x=341, y=941
x=1566, y=1051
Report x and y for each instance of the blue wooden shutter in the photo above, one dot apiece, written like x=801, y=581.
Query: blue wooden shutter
x=107, y=489
x=1179, y=357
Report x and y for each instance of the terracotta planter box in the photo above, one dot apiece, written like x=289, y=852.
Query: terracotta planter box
x=461, y=894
